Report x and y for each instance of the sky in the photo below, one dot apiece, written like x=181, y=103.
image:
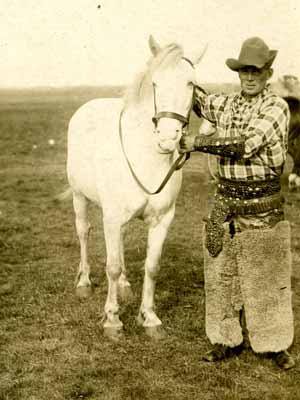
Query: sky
x=105, y=42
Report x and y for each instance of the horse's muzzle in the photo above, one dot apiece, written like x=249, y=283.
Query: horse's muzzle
x=167, y=146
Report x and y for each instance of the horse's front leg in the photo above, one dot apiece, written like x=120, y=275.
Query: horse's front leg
x=125, y=291
x=112, y=324
x=156, y=237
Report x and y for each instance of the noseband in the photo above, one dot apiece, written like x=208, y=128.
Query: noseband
x=170, y=114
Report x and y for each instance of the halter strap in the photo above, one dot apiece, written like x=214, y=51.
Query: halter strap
x=169, y=114
x=189, y=61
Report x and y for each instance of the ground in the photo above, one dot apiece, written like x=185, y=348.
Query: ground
x=51, y=342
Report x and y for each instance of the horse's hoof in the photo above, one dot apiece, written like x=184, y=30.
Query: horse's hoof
x=114, y=334
x=126, y=294
x=83, y=292
x=155, y=332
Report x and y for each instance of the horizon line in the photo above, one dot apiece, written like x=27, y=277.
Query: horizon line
x=10, y=87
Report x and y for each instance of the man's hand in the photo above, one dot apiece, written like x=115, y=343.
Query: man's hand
x=186, y=144
x=207, y=128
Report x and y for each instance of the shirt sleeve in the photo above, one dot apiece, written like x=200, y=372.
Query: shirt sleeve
x=269, y=128
x=209, y=106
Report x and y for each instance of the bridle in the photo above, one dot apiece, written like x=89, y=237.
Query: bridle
x=170, y=114
x=182, y=158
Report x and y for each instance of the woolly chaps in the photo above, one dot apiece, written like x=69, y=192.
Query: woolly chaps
x=253, y=272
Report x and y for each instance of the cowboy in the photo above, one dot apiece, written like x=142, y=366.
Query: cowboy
x=247, y=256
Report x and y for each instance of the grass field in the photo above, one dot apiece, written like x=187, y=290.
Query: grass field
x=52, y=345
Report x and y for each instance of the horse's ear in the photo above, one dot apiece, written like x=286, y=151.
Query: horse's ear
x=154, y=46
x=199, y=58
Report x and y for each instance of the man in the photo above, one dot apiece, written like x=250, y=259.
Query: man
x=247, y=257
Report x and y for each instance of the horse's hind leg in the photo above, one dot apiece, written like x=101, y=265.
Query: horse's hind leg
x=80, y=204
x=156, y=238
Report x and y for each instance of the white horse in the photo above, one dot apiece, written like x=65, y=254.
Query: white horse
x=117, y=154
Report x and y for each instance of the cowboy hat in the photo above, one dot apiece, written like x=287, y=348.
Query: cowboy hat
x=254, y=52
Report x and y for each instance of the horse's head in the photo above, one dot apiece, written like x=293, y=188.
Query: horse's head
x=173, y=77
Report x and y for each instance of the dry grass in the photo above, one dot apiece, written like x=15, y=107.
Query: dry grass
x=51, y=342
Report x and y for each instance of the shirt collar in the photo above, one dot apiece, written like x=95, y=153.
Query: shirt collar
x=252, y=100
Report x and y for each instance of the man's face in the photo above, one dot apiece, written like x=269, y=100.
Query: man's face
x=253, y=79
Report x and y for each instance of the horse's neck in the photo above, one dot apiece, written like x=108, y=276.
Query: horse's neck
x=140, y=142
x=140, y=115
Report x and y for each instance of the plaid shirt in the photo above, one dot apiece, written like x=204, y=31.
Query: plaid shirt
x=263, y=120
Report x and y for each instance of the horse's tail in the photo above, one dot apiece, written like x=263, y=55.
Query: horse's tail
x=65, y=195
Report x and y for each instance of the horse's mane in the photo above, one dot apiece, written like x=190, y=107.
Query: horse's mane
x=142, y=85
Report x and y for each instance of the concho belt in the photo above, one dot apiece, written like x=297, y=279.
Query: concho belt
x=239, y=198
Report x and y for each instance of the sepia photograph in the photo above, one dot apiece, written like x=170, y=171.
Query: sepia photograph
x=150, y=200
